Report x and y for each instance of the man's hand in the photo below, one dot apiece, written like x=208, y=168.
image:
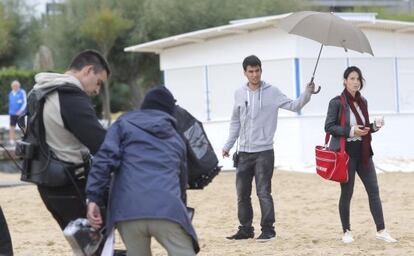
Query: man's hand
x=311, y=86
x=94, y=215
x=225, y=153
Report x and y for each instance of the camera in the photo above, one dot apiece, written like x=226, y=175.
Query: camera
x=24, y=150
x=83, y=239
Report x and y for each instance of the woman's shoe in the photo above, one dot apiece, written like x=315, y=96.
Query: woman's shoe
x=385, y=236
x=347, y=237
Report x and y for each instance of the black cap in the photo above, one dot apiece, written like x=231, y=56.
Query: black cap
x=159, y=98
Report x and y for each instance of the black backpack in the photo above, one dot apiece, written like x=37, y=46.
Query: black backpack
x=40, y=165
x=202, y=162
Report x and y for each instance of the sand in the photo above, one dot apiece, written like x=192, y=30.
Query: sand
x=307, y=219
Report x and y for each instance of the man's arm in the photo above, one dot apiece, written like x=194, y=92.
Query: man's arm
x=23, y=107
x=297, y=104
x=233, y=130
x=79, y=118
x=106, y=159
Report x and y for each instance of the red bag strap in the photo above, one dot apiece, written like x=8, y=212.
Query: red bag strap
x=342, y=139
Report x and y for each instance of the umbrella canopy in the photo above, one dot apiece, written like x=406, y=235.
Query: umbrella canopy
x=327, y=29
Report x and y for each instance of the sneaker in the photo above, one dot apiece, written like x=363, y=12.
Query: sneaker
x=347, y=237
x=241, y=234
x=266, y=236
x=385, y=236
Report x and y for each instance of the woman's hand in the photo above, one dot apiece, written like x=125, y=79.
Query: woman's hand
x=360, y=130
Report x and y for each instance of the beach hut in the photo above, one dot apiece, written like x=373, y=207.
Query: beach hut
x=203, y=69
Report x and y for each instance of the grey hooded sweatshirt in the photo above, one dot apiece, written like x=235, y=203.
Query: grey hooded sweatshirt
x=254, y=117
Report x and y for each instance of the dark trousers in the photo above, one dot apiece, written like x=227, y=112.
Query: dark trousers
x=368, y=177
x=68, y=203
x=260, y=166
x=64, y=203
x=6, y=248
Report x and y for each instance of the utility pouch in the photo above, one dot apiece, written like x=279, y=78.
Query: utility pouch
x=236, y=157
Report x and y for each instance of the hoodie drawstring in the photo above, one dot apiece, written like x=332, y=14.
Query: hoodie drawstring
x=260, y=96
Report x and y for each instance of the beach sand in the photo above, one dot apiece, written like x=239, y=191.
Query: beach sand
x=307, y=219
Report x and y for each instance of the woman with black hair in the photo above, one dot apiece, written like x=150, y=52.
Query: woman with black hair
x=357, y=132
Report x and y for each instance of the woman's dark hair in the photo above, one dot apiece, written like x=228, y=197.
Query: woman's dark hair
x=252, y=61
x=351, y=69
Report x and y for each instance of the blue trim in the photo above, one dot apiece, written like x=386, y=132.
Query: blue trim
x=397, y=85
x=207, y=94
x=297, y=79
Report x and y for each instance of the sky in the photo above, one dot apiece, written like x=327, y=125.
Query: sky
x=40, y=5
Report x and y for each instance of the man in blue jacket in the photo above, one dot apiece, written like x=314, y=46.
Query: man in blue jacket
x=145, y=154
x=17, y=106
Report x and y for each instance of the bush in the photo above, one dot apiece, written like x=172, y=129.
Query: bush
x=7, y=76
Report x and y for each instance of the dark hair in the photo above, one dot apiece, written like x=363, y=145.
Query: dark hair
x=252, y=61
x=90, y=57
x=351, y=69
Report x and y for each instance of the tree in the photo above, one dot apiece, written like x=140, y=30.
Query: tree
x=112, y=25
x=103, y=27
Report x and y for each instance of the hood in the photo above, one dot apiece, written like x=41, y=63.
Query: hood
x=155, y=122
x=263, y=86
x=44, y=80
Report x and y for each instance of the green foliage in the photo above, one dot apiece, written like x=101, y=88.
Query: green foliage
x=7, y=76
x=104, y=26
x=111, y=25
x=383, y=13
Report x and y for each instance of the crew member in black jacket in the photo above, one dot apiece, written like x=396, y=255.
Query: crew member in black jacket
x=6, y=247
x=72, y=128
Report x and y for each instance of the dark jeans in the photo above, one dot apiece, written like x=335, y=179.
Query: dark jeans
x=260, y=166
x=6, y=248
x=368, y=177
x=67, y=204
x=64, y=203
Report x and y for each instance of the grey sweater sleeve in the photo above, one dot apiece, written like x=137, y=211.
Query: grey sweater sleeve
x=297, y=104
x=234, y=127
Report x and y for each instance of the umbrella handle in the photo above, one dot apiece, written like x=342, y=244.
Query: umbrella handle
x=317, y=90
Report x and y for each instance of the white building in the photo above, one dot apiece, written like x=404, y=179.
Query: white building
x=203, y=69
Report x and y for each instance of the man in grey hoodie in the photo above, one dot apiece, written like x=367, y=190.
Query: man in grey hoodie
x=72, y=128
x=254, y=122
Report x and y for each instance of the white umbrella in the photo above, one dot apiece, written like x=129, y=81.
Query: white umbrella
x=327, y=29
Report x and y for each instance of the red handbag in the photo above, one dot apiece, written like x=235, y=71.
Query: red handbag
x=332, y=165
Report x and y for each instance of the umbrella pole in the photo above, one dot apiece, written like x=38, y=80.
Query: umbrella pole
x=313, y=75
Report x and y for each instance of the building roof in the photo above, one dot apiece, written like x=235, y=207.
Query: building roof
x=361, y=20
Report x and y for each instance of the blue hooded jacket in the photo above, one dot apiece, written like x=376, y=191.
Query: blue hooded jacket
x=144, y=152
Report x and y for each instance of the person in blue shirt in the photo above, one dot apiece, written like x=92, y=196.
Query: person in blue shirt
x=17, y=106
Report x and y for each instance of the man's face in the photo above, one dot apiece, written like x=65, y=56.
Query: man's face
x=15, y=87
x=91, y=81
x=253, y=74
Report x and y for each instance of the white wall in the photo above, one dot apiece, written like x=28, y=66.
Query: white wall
x=267, y=44
x=296, y=139
x=204, y=76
